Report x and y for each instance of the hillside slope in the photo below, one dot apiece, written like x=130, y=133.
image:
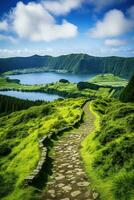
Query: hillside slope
x=20, y=133
x=128, y=93
x=74, y=63
x=108, y=151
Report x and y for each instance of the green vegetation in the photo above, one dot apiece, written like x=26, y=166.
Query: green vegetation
x=12, y=104
x=7, y=83
x=73, y=63
x=72, y=90
x=85, y=85
x=60, y=88
x=19, y=136
x=108, y=151
x=128, y=93
x=109, y=80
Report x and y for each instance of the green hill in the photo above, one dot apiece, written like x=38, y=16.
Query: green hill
x=108, y=151
x=20, y=133
x=108, y=79
x=74, y=63
x=128, y=93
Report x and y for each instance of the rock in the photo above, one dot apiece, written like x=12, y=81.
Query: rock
x=80, y=173
x=60, y=177
x=95, y=195
x=51, y=192
x=75, y=193
x=73, y=182
x=60, y=185
x=66, y=188
x=83, y=184
x=70, y=166
x=87, y=194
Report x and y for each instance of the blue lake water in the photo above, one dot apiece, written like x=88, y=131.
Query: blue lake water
x=30, y=95
x=42, y=78
x=49, y=77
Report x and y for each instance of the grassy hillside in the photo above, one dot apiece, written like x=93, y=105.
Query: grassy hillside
x=60, y=88
x=109, y=79
x=19, y=136
x=128, y=93
x=108, y=151
x=74, y=63
x=71, y=90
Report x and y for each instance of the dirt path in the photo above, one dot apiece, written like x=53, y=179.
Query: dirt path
x=69, y=181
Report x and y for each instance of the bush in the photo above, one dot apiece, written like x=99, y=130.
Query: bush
x=123, y=112
x=85, y=85
x=47, y=110
x=130, y=123
x=63, y=81
x=5, y=149
x=111, y=133
x=115, y=156
x=123, y=184
x=6, y=184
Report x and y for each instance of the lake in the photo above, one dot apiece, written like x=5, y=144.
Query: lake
x=33, y=96
x=49, y=77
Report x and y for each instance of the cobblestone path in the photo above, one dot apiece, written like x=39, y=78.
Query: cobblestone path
x=68, y=180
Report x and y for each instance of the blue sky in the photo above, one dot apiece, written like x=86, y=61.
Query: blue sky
x=55, y=27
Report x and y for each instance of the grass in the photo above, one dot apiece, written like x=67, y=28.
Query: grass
x=108, y=151
x=19, y=136
x=109, y=79
x=62, y=89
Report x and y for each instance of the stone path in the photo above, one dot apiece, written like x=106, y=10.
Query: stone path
x=69, y=181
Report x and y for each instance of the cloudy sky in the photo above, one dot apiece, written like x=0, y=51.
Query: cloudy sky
x=55, y=27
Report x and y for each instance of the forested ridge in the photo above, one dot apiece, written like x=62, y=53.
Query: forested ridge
x=74, y=63
x=12, y=104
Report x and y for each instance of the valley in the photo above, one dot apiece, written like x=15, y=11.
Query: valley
x=82, y=124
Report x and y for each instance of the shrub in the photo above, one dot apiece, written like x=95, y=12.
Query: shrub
x=63, y=81
x=123, y=184
x=110, y=133
x=6, y=184
x=47, y=110
x=85, y=85
x=5, y=149
x=123, y=112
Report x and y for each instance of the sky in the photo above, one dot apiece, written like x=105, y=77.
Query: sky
x=57, y=27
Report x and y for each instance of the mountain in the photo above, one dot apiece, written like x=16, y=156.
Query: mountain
x=128, y=93
x=74, y=63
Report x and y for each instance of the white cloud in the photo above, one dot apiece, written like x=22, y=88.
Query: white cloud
x=113, y=24
x=34, y=22
x=60, y=7
x=115, y=42
x=3, y=25
x=23, y=52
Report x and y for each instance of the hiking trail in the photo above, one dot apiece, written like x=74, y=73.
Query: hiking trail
x=69, y=180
